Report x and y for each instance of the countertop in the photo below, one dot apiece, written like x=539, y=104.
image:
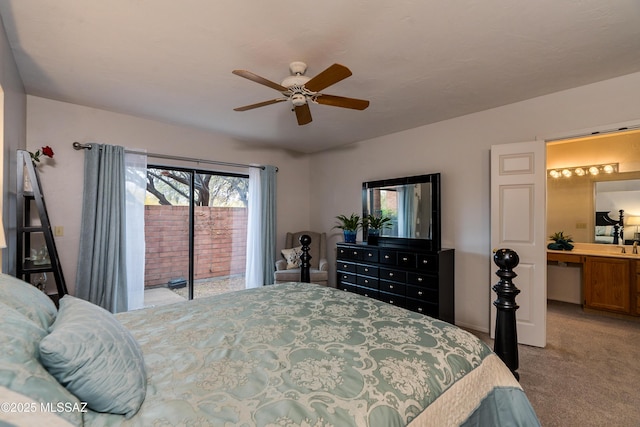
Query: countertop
x=595, y=249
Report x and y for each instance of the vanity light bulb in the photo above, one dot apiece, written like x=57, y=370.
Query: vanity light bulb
x=554, y=173
x=608, y=169
x=566, y=173
x=579, y=171
x=593, y=170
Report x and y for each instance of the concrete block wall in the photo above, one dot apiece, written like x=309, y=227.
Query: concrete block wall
x=220, y=237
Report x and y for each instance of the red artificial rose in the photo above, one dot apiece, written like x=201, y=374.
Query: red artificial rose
x=47, y=151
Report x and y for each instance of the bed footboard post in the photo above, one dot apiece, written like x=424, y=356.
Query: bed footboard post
x=506, y=335
x=305, y=259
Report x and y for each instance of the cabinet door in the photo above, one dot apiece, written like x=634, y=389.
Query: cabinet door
x=607, y=285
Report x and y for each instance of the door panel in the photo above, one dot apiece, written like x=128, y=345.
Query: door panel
x=518, y=173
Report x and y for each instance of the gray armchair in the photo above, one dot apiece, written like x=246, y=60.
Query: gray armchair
x=317, y=249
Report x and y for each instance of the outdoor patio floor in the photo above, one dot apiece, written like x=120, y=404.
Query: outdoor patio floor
x=202, y=288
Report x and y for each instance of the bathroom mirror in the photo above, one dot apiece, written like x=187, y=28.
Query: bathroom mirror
x=576, y=203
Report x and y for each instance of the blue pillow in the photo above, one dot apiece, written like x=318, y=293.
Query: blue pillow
x=28, y=300
x=90, y=353
x=20, y=369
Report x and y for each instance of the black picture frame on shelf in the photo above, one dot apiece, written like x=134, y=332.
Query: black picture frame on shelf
x=416, y=197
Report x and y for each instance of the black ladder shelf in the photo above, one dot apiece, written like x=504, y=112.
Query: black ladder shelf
x=25, y=230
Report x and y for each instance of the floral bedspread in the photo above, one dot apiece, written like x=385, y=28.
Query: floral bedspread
x=305, y=355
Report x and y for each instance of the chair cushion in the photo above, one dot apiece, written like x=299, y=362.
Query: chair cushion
x=292, y=256
x=95, y=357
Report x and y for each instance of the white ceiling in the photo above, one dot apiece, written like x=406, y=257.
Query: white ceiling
x=417, y=61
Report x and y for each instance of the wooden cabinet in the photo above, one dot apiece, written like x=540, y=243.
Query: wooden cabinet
x=635, y=286
x=607, y=284
x=418, y=280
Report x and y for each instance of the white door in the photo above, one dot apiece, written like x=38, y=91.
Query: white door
x=518, y=222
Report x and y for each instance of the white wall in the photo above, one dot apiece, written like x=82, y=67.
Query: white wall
x=59, y=124
x=459, y=149
x=13, y=121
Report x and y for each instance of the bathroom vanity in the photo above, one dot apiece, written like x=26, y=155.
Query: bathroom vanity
x=610, y=278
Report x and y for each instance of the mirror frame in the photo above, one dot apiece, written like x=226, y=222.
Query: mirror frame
x=432, y=244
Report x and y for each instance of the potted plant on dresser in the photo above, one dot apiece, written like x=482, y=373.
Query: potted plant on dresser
x=374, y=225
x=349, y=226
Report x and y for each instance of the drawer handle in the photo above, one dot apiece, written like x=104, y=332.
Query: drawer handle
x=419, y=292
x=425, y=261
x=355, y=252
x=344, y=266
x=405, y=259
x=390, y=286
x=390, y=274
x=386, y=257
x=370, y=254
x=366, y=269
x=391, y=302
x=420, y=309
x=366, y=295
x=344, y=277
x=366, y=281
x=419, y=279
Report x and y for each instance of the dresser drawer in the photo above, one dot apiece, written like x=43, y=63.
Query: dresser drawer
x=347, y=278
x=349, y=253
x=388, y=257
x=347, y=287
x=369, y=255
x=367, y=270
x=423, y=307
x=423, y=279
x=424, y=294
x=346, y=267
x=371, y=293
x=367, y=282
x=392, y=299
x=407, y=260
x=392, y=287
x=427, y=262
x=393, y=275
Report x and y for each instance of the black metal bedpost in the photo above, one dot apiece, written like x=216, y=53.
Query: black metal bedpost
x=305, y=259
x=506, y=336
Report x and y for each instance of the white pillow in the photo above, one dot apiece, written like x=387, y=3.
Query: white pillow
x=293, y=257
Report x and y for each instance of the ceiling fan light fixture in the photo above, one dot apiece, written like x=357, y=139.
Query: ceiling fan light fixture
x=298, y=99
x=296, y=80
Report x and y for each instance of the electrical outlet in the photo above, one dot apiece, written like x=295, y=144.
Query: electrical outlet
x=58, y=231
x=581, y=225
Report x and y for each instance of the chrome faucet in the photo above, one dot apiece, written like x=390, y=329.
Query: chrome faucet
x=635, y=247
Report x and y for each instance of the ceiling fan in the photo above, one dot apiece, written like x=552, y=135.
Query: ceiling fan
x=300, y=90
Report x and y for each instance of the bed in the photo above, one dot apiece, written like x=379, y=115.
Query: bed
x=285, y=355
x=609, y=230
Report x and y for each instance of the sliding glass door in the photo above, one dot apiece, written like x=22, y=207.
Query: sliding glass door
x=195, y=231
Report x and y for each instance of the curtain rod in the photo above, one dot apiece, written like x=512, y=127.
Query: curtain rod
x=79, y=146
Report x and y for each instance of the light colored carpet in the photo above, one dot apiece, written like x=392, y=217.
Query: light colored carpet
x=589, y=373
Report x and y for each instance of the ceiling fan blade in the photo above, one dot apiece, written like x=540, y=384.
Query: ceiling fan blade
x=260, y=104
x=303, y=114
x=256, y=78
x=328, y=77
x=341, y=101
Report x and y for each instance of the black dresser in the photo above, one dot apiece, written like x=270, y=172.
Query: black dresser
x=415, y=279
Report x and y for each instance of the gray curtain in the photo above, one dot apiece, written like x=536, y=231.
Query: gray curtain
x=406, y=211
x=268, y=199
x=101, y=276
